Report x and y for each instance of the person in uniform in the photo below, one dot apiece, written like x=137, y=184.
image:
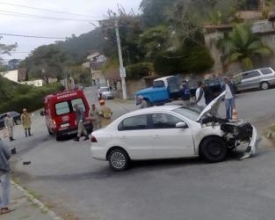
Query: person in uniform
x=26, y=122
x=9, y=123
x=105, y=113
x=96, y=118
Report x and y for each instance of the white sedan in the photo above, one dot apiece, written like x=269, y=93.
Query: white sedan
x=171, y=131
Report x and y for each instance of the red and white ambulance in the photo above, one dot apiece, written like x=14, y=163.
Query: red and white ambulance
x=60, y=115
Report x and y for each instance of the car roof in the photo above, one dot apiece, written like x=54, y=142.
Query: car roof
x=152, y=109
x=268, y=67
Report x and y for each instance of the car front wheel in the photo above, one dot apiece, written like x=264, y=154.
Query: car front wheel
x=118, y=159
x=213, y=149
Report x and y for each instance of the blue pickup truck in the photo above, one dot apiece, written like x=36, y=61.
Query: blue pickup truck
x=164, y=89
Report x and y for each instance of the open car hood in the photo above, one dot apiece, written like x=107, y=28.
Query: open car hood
x=213, y=107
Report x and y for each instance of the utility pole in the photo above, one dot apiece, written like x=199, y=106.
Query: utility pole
x=122, y=71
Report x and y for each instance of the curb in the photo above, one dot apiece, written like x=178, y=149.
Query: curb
x=36, y=202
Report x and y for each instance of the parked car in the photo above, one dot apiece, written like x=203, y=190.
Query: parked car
x=262, y=78
x=171, y=131
x=106, y=92
x=16, y=117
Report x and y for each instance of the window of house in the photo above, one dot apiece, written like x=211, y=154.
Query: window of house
x=138, y=122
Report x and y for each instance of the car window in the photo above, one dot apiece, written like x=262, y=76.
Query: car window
x=190, y=113
x=159, y=84
x=138, y=122
x=251, y=74
x=105, y=89
x=62, y=108
x=266, y=71
x=79, y=102
x=164, y=121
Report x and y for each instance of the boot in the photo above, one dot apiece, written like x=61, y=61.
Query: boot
x=11, y=139
x=86, y=137
x=76, y=139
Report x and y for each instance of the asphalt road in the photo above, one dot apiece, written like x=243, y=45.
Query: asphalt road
x=66, y=176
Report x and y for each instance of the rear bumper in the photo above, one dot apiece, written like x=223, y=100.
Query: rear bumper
x=98, y=153
x=72, y=131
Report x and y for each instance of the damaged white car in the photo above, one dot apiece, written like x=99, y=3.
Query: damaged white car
x=171, y=131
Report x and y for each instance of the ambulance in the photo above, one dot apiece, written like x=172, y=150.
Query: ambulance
x=59, y=113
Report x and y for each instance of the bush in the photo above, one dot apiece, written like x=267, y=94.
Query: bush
x=32, y=100
x=139, y=70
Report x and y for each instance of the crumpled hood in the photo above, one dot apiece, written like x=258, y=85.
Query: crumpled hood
x=213, y=107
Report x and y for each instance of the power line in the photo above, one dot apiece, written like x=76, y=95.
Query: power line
x=44, y=9
x=32, y=36
x=16, y=14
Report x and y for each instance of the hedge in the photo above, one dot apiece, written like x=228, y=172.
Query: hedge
x=32, y=100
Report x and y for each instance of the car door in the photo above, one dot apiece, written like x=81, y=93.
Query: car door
x=135, y=136
x=250, y=80
x=169, y=141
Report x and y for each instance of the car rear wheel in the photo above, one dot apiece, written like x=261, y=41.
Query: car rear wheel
x=17, y=121
x=264, y=85
x=213, y=149
x=118, y=159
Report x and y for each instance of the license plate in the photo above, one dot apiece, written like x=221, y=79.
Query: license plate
x=64, y=125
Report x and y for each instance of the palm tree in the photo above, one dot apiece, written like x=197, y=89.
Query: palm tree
x=242, y=45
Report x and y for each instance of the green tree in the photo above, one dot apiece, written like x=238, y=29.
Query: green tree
x=154, y=11
x=6, y=49
x=242, y=45
x=46, y=62
x=153, y=40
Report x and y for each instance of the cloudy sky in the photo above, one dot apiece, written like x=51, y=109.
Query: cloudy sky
x=22, y=17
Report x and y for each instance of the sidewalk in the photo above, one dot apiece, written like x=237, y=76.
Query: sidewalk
x=26, y=206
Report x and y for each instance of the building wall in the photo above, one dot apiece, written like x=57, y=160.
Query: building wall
x=11, y=75
x=36, y=83
x=263, y=28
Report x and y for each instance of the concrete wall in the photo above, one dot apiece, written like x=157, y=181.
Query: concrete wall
x=36, y=83
x=263, y=28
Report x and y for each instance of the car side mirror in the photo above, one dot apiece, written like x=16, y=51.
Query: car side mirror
x=42, y=113
x=181, y=125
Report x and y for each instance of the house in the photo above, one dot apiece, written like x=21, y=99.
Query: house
x=95, y=62
x=17, y=75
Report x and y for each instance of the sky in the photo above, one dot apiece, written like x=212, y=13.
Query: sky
x=27, y=20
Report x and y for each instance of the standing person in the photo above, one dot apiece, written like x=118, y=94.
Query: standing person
x=99, y=94
x=185, y=94
x=26, y=122
x=80, y=118
x=229, y=98
x=94, y=113
x=141, y=102
x=5, y=155
x=105, y=113
x=200, y=98
x=9, y=123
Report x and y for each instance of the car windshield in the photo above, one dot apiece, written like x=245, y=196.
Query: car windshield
x=190, y=113
x=105, y=89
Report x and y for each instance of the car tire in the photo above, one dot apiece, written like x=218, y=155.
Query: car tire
x=118, y=159
x=18, y=122
x=57, y=136
x=149, y=104
x=50, y=132
x=213, y=149
x=264, y=85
